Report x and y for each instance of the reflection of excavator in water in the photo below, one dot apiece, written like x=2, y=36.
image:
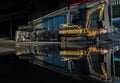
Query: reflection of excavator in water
x=70, y=55
x=76, y=30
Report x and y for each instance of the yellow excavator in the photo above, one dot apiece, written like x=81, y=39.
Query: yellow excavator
x=72, y=31
x=69, y=55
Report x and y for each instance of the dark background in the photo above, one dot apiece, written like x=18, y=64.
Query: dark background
x=14, y=13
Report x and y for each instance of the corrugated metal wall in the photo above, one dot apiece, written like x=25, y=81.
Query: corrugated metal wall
x=114, y=2
x=116, y=11
x=115, y=5
x=56, y=61
x=116, y=64
x=116, y=77
x=53, y=23
x=52, y=57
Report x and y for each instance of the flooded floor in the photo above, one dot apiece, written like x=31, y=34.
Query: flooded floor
x=58, y=62
x=18, y=70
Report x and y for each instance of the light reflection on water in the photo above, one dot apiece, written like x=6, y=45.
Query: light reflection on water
x=80, y=60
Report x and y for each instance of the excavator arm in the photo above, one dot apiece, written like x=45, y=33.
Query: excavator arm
x=74, y=32
x=93, y=72
x=90, y=11
x=77, y=54
x=71, y=54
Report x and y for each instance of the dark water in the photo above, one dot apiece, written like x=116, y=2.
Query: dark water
x=71, y=62
x=17, y=70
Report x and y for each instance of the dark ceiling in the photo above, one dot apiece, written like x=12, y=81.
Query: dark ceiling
x=14, y=13
x=15, y=9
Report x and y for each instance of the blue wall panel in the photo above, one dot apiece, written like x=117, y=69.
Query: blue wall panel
x=53, y=23
x=56, y=61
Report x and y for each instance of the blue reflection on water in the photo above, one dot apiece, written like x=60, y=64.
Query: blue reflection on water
x=83, y=60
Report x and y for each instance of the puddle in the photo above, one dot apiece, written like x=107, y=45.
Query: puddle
x=79, y=60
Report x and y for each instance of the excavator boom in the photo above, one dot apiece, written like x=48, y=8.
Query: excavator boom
x=68, y=30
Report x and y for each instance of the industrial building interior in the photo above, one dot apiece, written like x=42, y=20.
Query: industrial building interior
x=15, y=13
x=50, y=57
